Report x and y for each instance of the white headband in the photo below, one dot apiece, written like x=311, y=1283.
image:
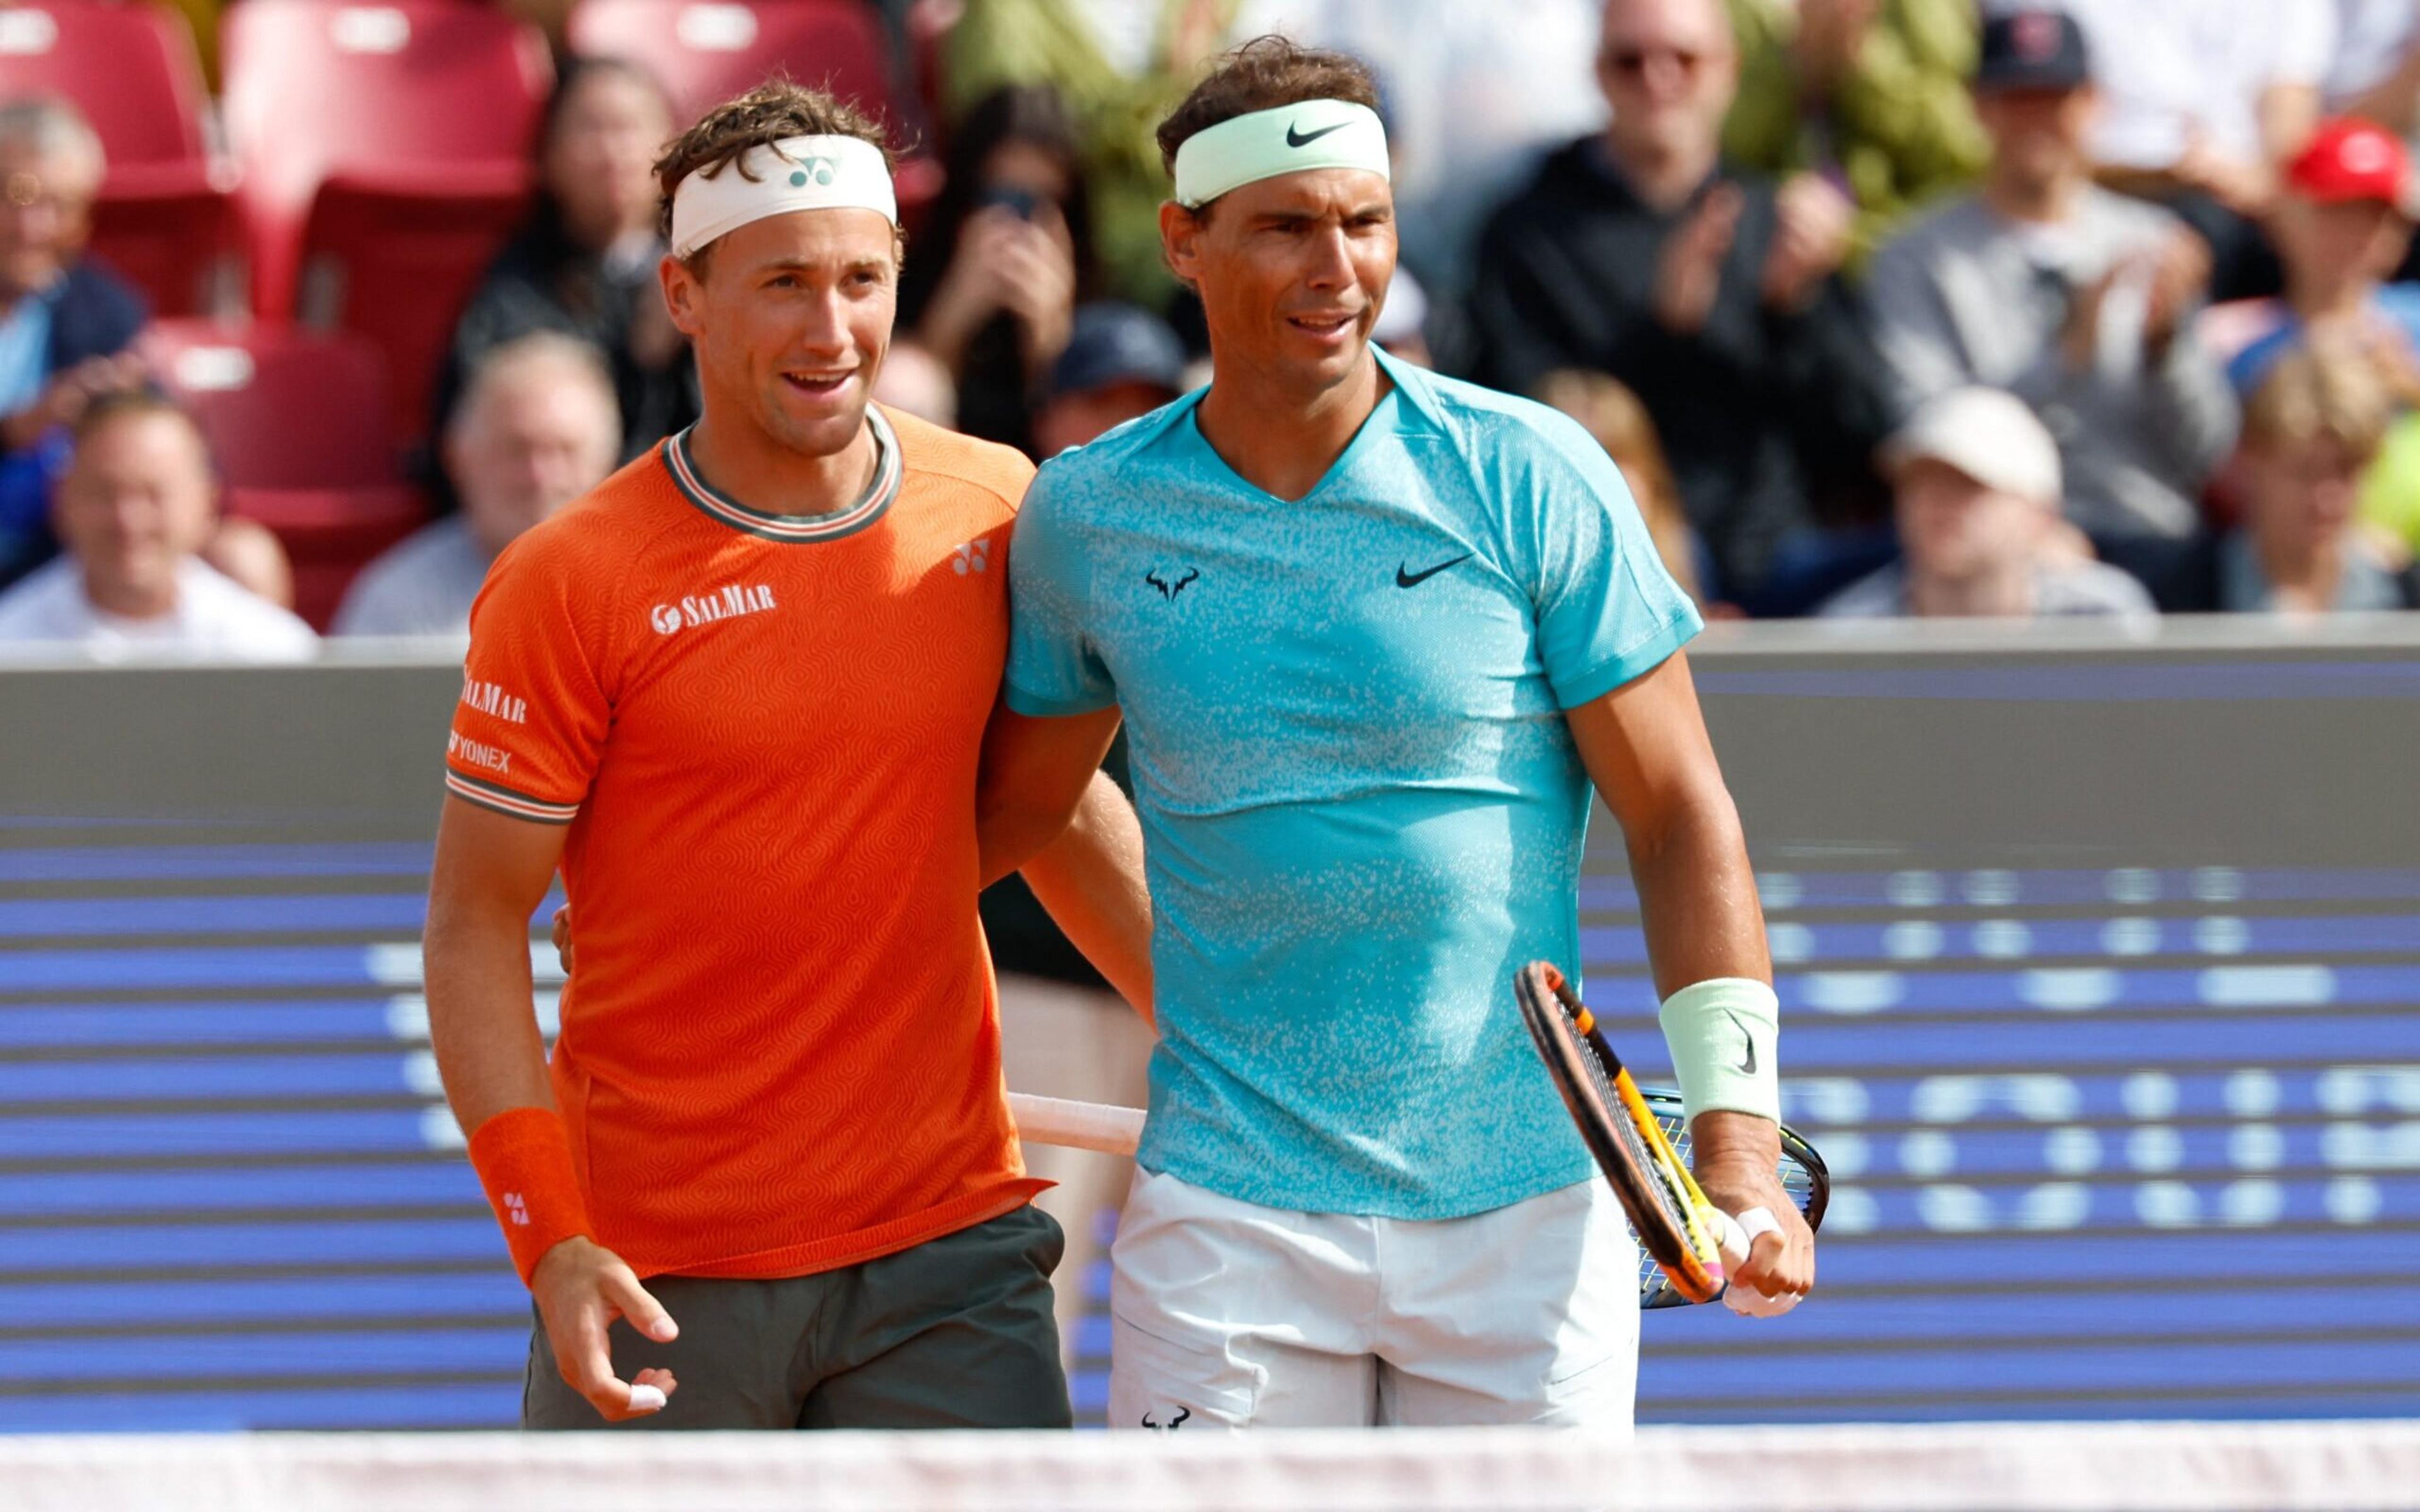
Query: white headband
x=799, y=172
x=1316, y=133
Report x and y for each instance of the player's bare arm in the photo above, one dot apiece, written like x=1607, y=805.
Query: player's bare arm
x=490, y=873
x=1646, y=749
x=1044, y=808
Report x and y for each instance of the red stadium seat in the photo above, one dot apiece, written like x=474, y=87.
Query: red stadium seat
x=164, y=219
x=131, y=69
x=705, y=50
x=395, y=255
x=172, y=231
x=384, y=149
x=298, y=422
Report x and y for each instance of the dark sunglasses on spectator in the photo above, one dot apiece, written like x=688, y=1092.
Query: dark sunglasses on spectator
x=1633, y=61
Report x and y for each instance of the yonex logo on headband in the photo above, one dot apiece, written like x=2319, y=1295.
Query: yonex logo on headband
x=1312, y=134
x=800, y=172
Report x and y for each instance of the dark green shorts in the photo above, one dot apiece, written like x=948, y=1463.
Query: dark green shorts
x=958, y=1332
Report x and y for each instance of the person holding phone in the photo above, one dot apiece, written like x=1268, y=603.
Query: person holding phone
x=992, y=284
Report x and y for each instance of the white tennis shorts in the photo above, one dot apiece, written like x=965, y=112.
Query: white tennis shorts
x=1227, y=1314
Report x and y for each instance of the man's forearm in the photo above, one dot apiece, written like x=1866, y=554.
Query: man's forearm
x=1091, y=880
x=1697, y=897
x=482, y=1021
x=1037, y=772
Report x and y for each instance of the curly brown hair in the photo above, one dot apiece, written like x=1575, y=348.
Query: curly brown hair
x=1262, y=74
x=772, y=111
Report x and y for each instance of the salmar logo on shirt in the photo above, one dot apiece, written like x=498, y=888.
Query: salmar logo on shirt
x=491, y=699
x=728, y=602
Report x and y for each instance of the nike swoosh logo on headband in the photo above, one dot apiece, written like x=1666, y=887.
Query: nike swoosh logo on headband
x=1297, y=140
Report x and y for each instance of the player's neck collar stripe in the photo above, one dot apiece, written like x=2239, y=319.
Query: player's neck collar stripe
x=870, y=505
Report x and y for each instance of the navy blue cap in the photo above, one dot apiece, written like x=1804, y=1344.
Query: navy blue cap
x=1113, y=343
x=2041, y=49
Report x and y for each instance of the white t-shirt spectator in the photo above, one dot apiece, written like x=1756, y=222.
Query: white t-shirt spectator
x=2371, y=36
x=214, y=619
x=423, y=586
x=2168, y=68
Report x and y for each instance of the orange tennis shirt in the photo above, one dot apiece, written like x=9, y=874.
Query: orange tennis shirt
x=780, y=1049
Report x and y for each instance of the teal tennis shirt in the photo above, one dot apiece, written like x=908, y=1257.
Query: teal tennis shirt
x=1362, y=810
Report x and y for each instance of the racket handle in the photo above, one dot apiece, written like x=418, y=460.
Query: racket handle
x=1731, y=1239
x=1056, y=1121
x=1736, y=1235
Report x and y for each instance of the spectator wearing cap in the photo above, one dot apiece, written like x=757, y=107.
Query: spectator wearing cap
x=2343, y=224
x=66, y=322
x=1975, y=480
x=134, y=509
x=2205, y=100
x=2312, y=430
x=1871, y=93
x=1710, y=291
x=2077, y=300
x=1122, y=362
x=536, y=428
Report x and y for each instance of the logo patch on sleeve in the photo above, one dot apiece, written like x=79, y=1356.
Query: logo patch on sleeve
x=491, y=699
x=474, y=753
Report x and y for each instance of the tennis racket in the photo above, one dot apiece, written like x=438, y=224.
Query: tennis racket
x=1639, y=1139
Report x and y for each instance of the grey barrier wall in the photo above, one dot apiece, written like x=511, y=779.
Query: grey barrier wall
x=2100, y=963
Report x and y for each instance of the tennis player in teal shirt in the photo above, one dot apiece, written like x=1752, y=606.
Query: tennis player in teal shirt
x=1375, y=636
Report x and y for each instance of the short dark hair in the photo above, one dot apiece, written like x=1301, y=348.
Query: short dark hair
x=1262, y=74
x=132, y=404
x=772, y=111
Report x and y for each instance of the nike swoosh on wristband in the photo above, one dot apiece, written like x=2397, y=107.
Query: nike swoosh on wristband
x=1405, y=578
x=1747, y=1067
x=1294, y=140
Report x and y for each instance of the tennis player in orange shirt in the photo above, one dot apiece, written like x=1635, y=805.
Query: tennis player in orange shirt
x=736, y=696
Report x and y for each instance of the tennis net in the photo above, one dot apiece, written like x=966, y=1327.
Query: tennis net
x=2057, y=1467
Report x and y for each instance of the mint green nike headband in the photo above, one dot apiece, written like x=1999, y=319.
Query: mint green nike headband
x=1315, y=134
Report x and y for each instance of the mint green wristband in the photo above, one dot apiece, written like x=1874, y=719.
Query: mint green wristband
x=1724, y=1035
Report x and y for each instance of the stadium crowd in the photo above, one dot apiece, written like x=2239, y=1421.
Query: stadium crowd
x=1883, y=307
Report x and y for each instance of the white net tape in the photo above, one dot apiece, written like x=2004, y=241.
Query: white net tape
x=2105, y=1467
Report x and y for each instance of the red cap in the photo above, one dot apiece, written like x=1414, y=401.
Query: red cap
x=2350, y=160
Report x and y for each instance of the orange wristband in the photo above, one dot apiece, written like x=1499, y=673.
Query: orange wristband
x=523, y=1159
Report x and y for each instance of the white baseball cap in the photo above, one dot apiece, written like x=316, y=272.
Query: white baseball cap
x=1987, y=433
